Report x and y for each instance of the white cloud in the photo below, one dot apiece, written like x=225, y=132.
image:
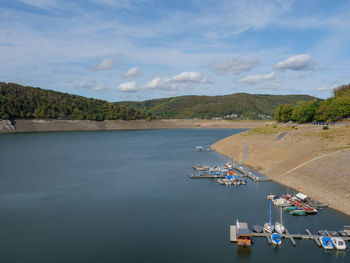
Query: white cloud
x=207, y=81
x=106, y=64
x=133, y=72
x=89, y=85
x=298, y=62
x=127, y=86
x=178, y=82
x=98, y=88
x=233, y=66
x=327, y=88
x=155, y=83
x=41, y=3
x=187, y=77
x=257, y=78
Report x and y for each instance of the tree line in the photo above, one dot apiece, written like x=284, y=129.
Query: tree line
x=17, y=101
x=207, y=107
x=332, y=109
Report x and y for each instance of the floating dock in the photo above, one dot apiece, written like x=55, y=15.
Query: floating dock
x=251, y=175
x=292, y=237
x=195, y=176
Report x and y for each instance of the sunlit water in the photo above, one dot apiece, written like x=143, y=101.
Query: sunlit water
x=124, y=196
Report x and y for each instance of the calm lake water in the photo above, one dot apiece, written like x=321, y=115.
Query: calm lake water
x=124, y=196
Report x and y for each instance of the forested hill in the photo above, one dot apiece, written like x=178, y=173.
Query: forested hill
x=17, y=101
x=250, y=106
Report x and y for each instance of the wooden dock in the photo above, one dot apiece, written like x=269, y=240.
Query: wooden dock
x=233, y=233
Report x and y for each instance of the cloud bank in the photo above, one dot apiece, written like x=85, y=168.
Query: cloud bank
x=233, y=66
x=132, y=73
x=257, y=78
x=296, y=63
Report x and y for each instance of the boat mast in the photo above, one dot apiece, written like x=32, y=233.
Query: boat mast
x=270, y=214
x=281, y=215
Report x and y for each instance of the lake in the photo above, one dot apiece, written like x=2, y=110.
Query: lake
x=124, y=196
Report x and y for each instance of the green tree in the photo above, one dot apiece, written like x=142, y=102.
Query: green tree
x=284, y=113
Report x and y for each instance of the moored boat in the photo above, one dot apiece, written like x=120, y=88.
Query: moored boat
x=326, y=242
x=279, y=227
x=281, y=202
x=257, y=228
x=276, y=239
x=338, y=243
x=298, y=213
x=268, y=227
x=291, y=208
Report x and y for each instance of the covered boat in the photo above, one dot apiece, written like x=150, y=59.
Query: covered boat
x=276, y=239
x=326, y=242
x=339, y=243
x=257, y=228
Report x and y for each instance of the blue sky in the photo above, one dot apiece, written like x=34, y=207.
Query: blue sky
x=136, y=50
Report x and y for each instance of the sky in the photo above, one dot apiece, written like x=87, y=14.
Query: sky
x=120, y=50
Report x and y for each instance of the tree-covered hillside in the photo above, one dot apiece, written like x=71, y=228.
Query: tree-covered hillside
x=216, y=106
x=17, y=101
x=329, y=110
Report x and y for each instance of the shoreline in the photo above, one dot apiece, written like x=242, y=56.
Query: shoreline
x=41, y=125
x=298, y=156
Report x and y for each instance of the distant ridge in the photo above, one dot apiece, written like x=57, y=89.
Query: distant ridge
x=24, y=102
x=248, y=105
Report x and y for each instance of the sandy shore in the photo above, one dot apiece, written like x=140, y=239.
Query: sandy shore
x=76, y=125
x=300, y=156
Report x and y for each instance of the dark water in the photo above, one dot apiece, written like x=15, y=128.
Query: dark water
x=124, y=196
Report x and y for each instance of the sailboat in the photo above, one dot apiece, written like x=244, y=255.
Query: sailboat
x=279, y=227
x=268, y=227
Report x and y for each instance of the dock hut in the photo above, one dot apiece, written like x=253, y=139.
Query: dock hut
x=199, y=148
x=244, y=236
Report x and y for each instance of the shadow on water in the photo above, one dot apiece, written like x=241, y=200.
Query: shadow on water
x=243, y=252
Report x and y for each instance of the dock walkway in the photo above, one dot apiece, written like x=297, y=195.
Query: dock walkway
x=291, y=237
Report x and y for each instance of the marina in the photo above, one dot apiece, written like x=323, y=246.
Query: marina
x=286, y=235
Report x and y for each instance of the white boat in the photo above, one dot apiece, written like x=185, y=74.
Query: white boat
x=281, y=202
x=279, y=227
x=326, y=242
x=268, y=227
x=276, y=239
x=338, y=243
x=269, y=197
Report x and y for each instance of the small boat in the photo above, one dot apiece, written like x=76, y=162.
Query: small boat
x=281, y=202
x=310, y=210
x=268, y=227
x=276, y=239
x=342, y=233
x=298, y=213
x=269, y=197
x=347, y=230
x=333, y=233
x=338, y=243
x=257, y=229
x=326, y=242
x=279, y=227
x=291, y=208
x=322, y=233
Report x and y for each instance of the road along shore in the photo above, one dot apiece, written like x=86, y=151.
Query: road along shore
x=299, y=156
